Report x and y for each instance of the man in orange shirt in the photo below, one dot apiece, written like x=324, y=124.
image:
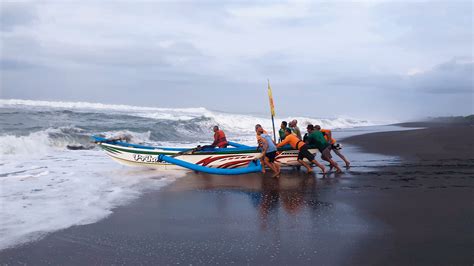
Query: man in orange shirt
x=336, y=147
x=298, y=144
x=219, y=138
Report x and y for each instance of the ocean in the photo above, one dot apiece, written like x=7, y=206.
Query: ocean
x=45, y=187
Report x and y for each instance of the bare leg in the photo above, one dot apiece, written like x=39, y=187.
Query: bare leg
x=306, y=165
x=319, y=165
x=335, y=165
x=262, y=162
x=270, y=165
x=342, y=157
x=277, y=169
x=330, y=165
x=277, y=166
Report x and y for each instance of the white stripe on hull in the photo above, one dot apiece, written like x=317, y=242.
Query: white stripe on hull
x=139, y=157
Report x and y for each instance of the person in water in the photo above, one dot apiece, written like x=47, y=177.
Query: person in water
x=220, y=140
x=316, y=139
x=281, y=132
x=295, y=129
x=298, y=144
x=269, y=150
x=336, y=147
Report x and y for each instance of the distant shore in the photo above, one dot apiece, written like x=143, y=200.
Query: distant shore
x=441, y=138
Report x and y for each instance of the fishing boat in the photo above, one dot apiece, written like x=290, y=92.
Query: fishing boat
x=236, y=159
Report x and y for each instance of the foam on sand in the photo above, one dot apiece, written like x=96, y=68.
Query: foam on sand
x=237, y=123
x=47, y=193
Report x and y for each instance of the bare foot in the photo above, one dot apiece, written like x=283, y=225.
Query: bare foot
x=348, y=165
x=310, y=171
x=276, y=175
x=323, y=170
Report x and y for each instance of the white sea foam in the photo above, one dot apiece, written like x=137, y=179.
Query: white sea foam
x=237, y=123
x=51, y=140
x=50, y=193
x=159, y=113
x=45, y=187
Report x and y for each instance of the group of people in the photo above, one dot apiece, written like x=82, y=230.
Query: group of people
x=290, y=134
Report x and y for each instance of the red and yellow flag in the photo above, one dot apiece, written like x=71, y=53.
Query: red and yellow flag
x=270, y=98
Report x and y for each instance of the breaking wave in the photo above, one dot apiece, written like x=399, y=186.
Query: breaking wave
x=46, y=188
x=204, y=118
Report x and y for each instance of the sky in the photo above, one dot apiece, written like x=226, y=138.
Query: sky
x=365, y=59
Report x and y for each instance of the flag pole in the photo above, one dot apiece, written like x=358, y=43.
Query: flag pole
x=272, y=109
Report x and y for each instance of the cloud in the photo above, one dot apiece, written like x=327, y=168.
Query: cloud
x=6, y=64
x=210, y=52
x=452, y=77
x=15, y=14
x=273, y=11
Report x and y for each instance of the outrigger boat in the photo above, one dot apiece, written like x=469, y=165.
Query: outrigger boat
x=238, y=159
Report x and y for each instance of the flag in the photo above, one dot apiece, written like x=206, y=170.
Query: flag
x=270, y=98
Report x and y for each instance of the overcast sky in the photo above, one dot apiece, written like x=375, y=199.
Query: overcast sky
x=370, y=59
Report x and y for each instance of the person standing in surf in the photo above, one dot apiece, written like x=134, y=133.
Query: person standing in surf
x=299, y=145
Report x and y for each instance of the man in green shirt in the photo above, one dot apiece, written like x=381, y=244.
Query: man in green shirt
x=281, y=132
x=316, y=139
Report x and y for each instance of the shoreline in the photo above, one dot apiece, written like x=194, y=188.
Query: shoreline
x=417, y=211
x=428, y=142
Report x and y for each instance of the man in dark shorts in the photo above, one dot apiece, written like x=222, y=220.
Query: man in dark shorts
x=316, y=139
x=298, y=144
x=269, y=150
x=335, y=147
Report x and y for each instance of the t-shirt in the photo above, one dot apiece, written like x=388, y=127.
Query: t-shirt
x=281, y=132
x=220, y=139
x=271, y=145
x=316, y=139
x=293, y=140
x=326, y=135
x=296, y=131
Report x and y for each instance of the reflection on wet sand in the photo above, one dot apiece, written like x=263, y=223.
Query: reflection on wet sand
x=292, y=192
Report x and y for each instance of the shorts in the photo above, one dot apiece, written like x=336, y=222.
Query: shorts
x=271, y=156
x=326, y=153
x=304, y=153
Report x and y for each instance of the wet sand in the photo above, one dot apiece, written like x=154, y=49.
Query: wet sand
x=426, y=201
x=435, y=141
x=414, y=211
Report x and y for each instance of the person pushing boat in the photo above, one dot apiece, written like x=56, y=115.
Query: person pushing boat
x=316, y=139
x=336, y=147
x=269, y=150
x=299, y=145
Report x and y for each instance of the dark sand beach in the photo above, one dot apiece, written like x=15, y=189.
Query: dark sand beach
x=417, y=210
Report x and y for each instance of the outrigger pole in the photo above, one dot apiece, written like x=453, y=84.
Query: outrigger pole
x=272, y=109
